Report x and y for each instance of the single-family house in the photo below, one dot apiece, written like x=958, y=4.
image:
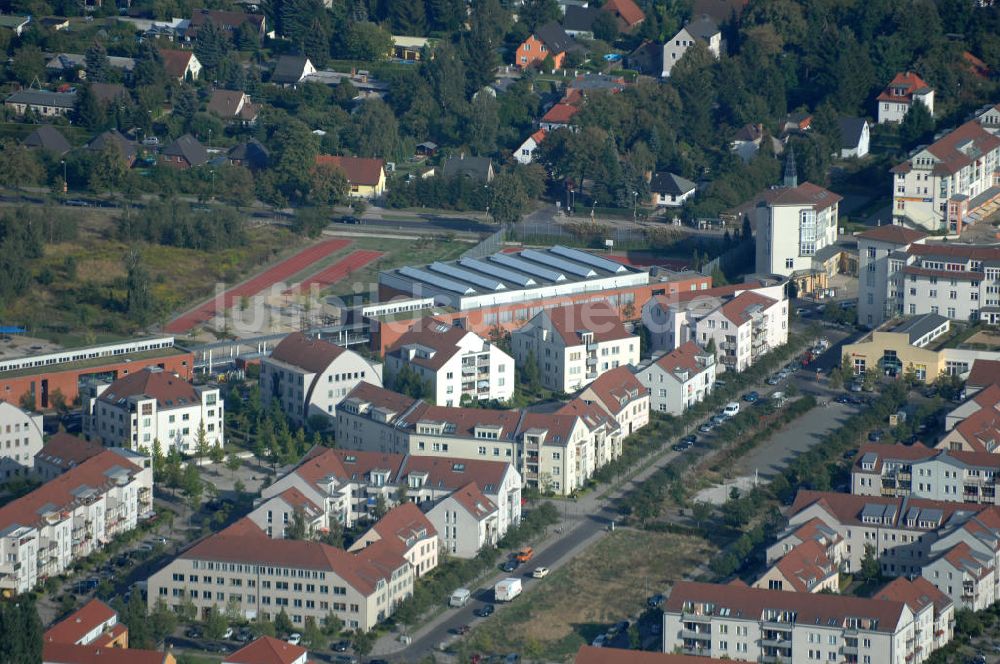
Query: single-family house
x=229, y=21
x=409, y=49
x=549, y=40
x=579, y=21
x=525, y=153
x=679, y=379
x=47, y=138
x=854, y=137
x=252, y=155
x=289, y=70
x=647, y=59
x=108, y=94
x=899, y=96
x=233, y=106
x=702, y=29
x=128, y=150
x=627, y=12
x=42, y=102
x=365, y=175
x=75, y=64
x=476, y=168
x=670, y=190
x=180, y=65
x=185, y=152
x=560, y=116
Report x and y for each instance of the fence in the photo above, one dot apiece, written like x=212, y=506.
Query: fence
x=735, y=261
x=623, y=238
x=491, y=244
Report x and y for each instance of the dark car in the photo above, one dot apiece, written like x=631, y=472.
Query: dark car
x=655, y=601
x=680, y=447
x=751, y=397
x=193, y=633
x=340, y=646
x=843, y=398
x=344, y=659
x=509, y=565
x=485, y=611
x=378, y=661
x=620, y=627
x=875, y=436
x=689, y=439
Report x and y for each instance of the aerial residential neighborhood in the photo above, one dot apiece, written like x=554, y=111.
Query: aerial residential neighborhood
x=545, y=331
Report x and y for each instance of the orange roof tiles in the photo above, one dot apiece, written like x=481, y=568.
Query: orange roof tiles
x=474, y=502
x=595, y=655
x=168, y=389
x=683, y=358
x=951, y=149
x=738, y=309
x=404, y=525
x=65, y=653
x=77, y=625
x=985, y=374
x=916, y=594
x=599, y=318
x=267, y=650
x=909, y=82
x=617, y=388
x=66, y=451
x=806, y=565
x=313, y=355
x=806, y=193
x=626, y=10
x=560, y=114
x=433, y=334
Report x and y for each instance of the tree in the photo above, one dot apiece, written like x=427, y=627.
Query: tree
x=377, y=129
x=534, y=13
x=871, y=570
x=335, y=536
x=20, y=631
x=201, y=442
x=367, y=41
x=137, y=619
x=328, y=187
x=307, y=24
x=381, y=507
x=917, y=125
x=968, y=623
x=297, y=530
x=312, y=635
x=295, y=149
x=212, y=45
x=233, y=463
x=108, y=170
x=261, y=627
x=217, y=454
x=97, y=63
x=18, y=165
x=332, y=625
x=162, y=621
x=483, y=124
x=605, y=27
x=28, y=65
x=507, y=199
x=139, y=301
x=215, y=624
x=363, y=642
x=700, y=511
x=530, y=374
x=408, y=17
x=283, y=624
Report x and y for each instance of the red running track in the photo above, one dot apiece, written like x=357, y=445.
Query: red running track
x=280, y=272
x=342, y=268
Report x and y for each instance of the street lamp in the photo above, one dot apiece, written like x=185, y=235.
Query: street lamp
x=65, y=183
x=635, y=204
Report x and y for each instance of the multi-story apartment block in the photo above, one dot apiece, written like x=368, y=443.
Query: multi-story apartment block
x=933, y=613
x=621, y=394
x=20, y=440
x=975, y=425
x=153, y=405
x=61, y=453
x=744, y=329
x=815, y=529
x=457, y=364
x=923, y=472
x=679, y=379
x=573, y=345
x=345, y=485
x=276, y=515
x=759, y=625
x=899, y=96
x=244, y=570
x=805, y=569
x=407, y=531
x=466, y=521
x=309, y=377
x=968, y=577
x=795, y=225
x=942, y=186
x=70, y=517
x=881, y=257
x=554, y=452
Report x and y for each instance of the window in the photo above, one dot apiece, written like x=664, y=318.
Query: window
x=789, y=263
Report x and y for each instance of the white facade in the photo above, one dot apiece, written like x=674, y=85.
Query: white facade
x=148, y=406
x=675, y=48
x=679, y=379
x=309, y=377
x=20, y=440
x=905, y=90
x=43, y=533
x=967, y=576
x=793, y=226
x=744, y=329
x=525, y=152
x=938, y=186
x=466, y=522
x=457, y=364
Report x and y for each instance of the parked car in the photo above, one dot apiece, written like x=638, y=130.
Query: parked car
x=843, y=398
x=655, y=601
x=512, y=658
x=706, y=427
x=345, y=659
x=732, y=409
x=689, y=439
x=620, y=627
x=680, y=447
x=773, y=380
x=600, y=641
x=876, y=435
x=485, y=611
x=294, y=638
x=228, y=634
x=751, y=397
x=540, y=572
x=509, y=565
x=340, y=646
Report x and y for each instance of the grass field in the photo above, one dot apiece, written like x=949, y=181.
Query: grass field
x=609, y=582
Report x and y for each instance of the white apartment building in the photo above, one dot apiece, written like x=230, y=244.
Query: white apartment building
x=901, y=273
x=408, y=532
x=20, y=440
x=805, y=569
x=344, y=485
x=899, y=96
x=457, y=364
x=933, y=613
x=70, y=517
x=243, y=569
x=61, y=453
x=573, y=345
x=966, y=576
x=943, y=185
x=153, y=405
x=680, y=379
x=758, y=625
x=923, y=472
x=276, y=515
x=309, y=377
x=554, y=452
x=744, y=329
x=975, y=425
x=794, y=226
x=466, y=521
x=703, y=29
x=622, y=395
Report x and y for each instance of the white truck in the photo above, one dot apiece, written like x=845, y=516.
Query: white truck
x=507, y=589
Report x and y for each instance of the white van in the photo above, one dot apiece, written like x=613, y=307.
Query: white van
x=459, y=598
x=732, y=409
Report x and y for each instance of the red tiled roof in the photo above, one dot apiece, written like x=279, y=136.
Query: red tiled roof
x=616, y=389
x=170, y=391
x=595, y=655
x=806, y=193
x=909, y=81
x=295, y=498
x=957, y=250
x=244, y=542
x=404, y=525
x=814, y=529
x=943, y=274
x=312, y=355
x=985, y=373
x=539, y=136
x=560, y=114
x=60, y=493
x=175, y=63
x=362, y=171
x=379, y=397
x=962, y=557
x=64, y=653
x=887, y=451
x=738, y=309
x=916, y=594
x=951, y=159
x=559, y=426
x=321, y=463
x=600, y=318
x=452, y=474
x=683, y=358
x=810, y=609
x=74, y=627
x=266, y=650
x=627, y=10
x=433, y=334
x=66, y=451
x=805, y=565
x=592, y=414
x=465, y=420
x=474, y=501
x=846, y=508
x=893, y=233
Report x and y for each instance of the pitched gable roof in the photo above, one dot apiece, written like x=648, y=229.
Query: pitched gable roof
x=684, y=358
x=176, y=63
x=289, y=69
x=572, y=321
x=435, y=335
x=909, y=82
x=126, y=148
x=805, y=566
x=739, y=309
x=851, y=130
x=670, y=183
x=313, y=355
x=984, y=373
x=554, y=37
x=626, y=10
x=106, y=93
x=66, y=451
x=169, y=390
x=703, y=28
x=403, y=526
x=77, y=625
x=187, y=147
x=616, y=389
x=267, y=650
x=893, y=233
x=231, y=104
x=916, y=594
x=474, y=501
x=363, y=171
x=47, y=137
x=580, y=19
x=65, y=653
x=806, y=193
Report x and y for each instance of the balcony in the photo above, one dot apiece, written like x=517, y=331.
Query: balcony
x=591, y=361
x=695, y=635
x=849, y=650
x=696, y=617
x=591, y=348
x=776, y=659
